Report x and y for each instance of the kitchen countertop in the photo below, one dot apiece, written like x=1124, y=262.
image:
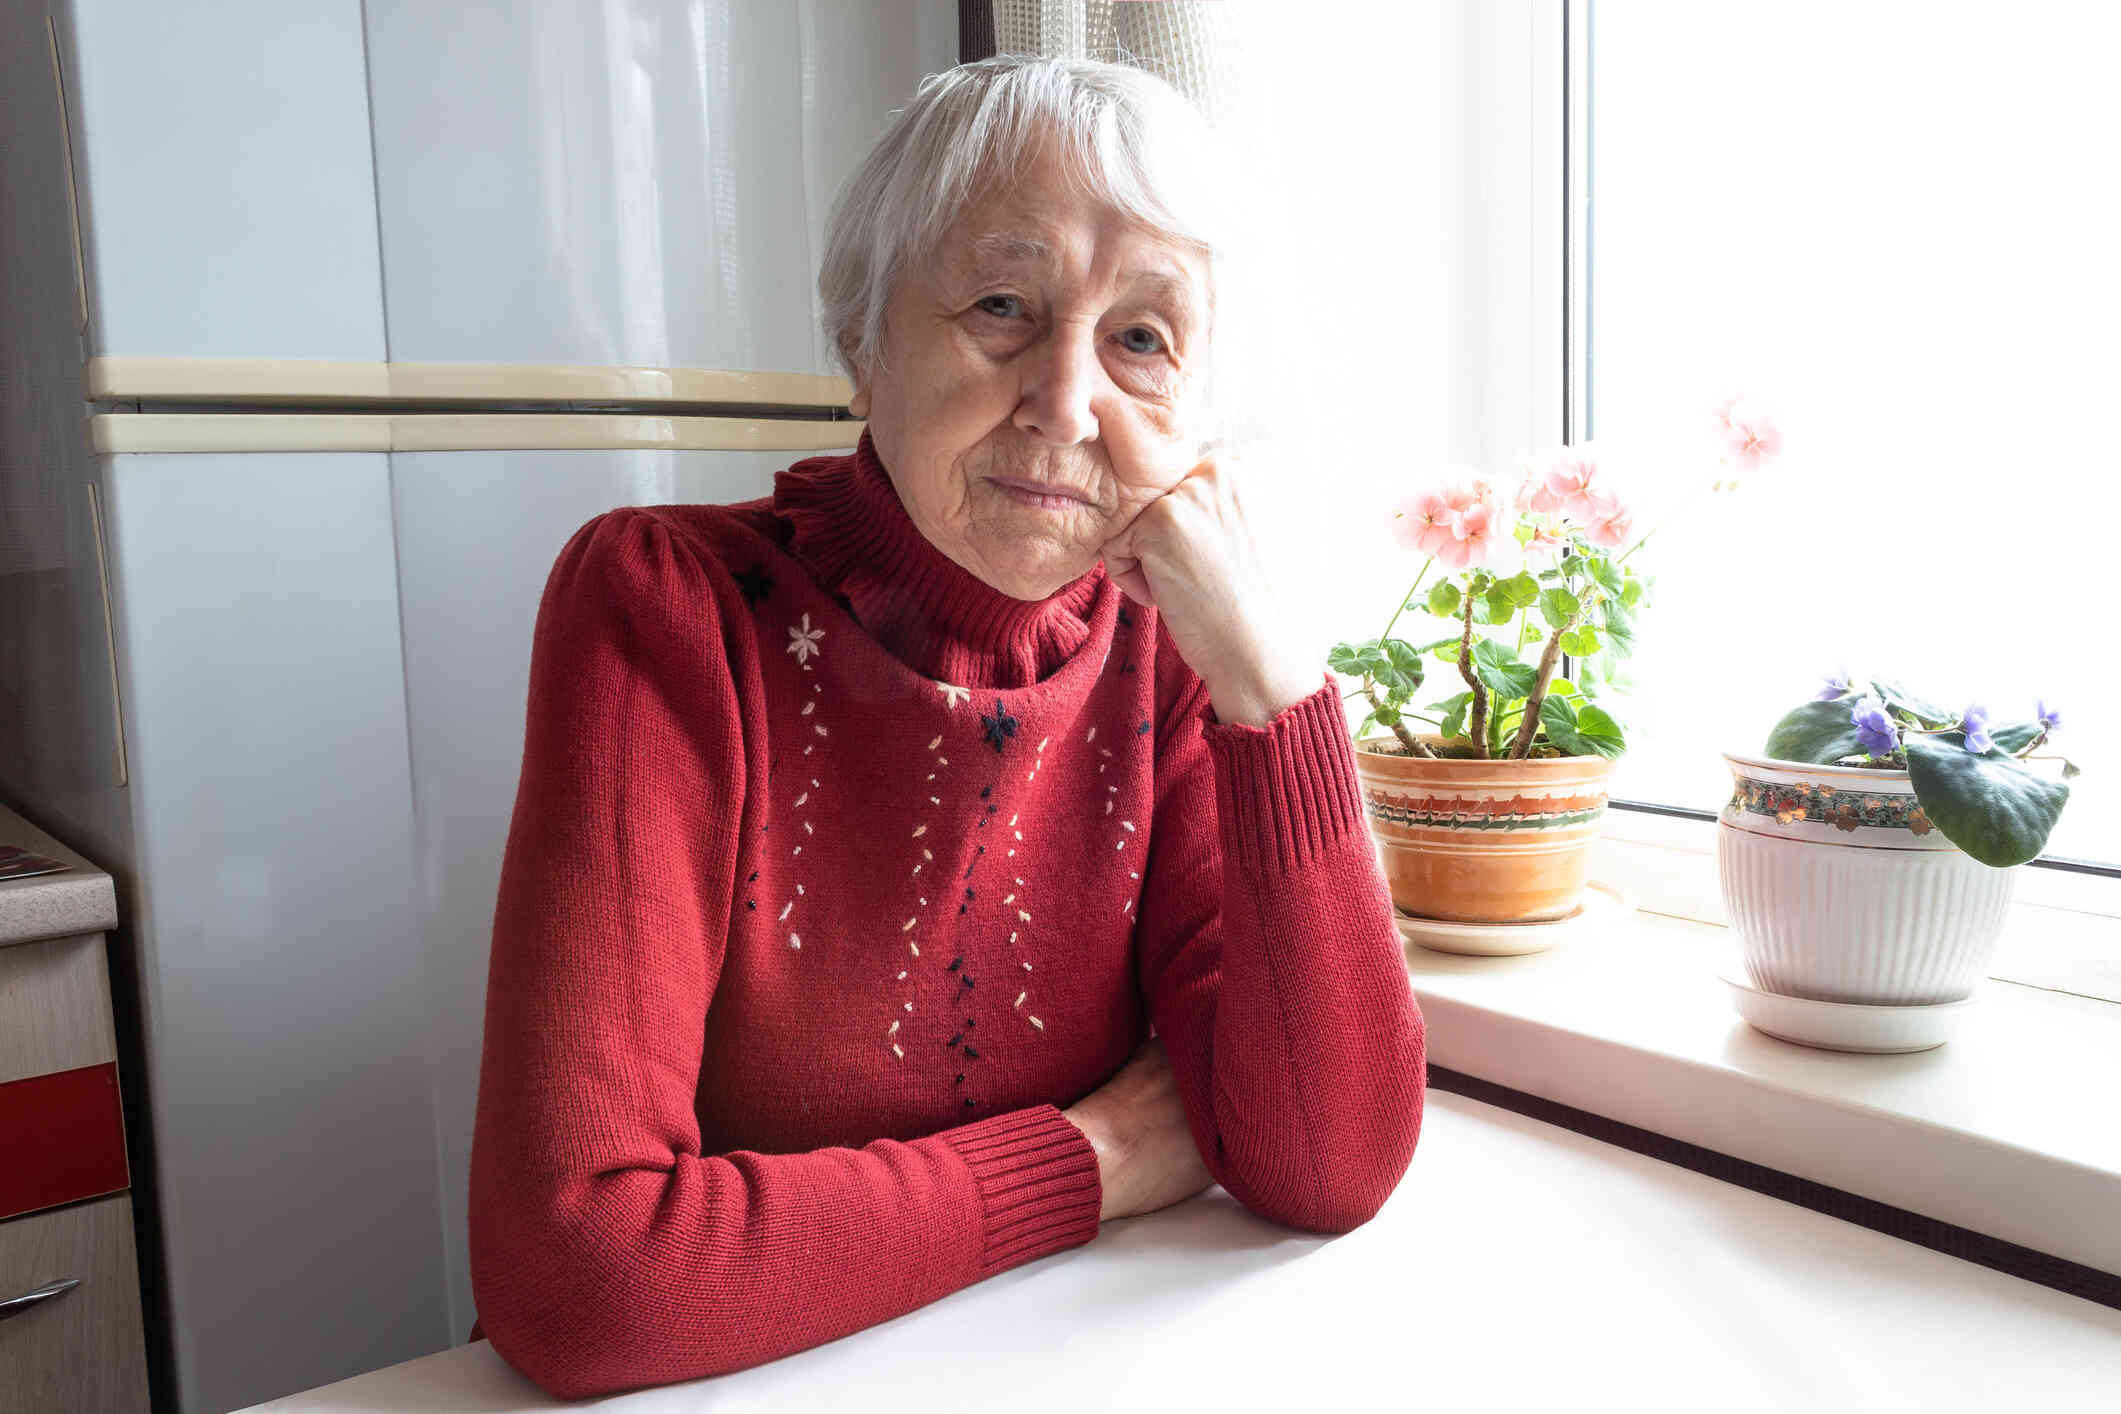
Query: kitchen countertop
x=60, y=905
x=1516, y=1263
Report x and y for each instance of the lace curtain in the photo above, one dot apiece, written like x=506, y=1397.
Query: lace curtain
x=1189, y=43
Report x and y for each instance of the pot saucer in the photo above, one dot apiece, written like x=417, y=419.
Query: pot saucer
x=1601, y=903
x=1845, y=1026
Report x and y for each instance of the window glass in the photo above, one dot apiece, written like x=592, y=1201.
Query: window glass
x=1893, y=224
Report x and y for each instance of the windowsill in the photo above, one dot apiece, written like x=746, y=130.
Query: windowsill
x=2005, y=1130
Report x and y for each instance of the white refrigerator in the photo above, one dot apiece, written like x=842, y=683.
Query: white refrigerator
x=327, y=322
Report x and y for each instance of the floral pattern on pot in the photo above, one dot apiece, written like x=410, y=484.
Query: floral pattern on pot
x=1516, y=812
x=1843, y=809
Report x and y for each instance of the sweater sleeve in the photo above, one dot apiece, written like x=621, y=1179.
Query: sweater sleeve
x=1270, y=963
x=608, y=1252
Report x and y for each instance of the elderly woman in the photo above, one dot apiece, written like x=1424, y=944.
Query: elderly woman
x=865, y=831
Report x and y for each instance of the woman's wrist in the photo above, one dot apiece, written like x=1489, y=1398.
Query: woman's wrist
x=1106, y=1149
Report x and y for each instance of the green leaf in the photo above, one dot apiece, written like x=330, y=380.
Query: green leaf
x=1619, y=628
x=1499, y=608
x=1405, y=659
x=1818, y=732
x=1369, y=720
x=1558, y=606
x=1580, y=641
x=1453, y=722
x=1599, y=731
x=1894, y=696
x=2014, y=737
x=1609, y=579
x=1562, y=687
x=1558, y=719
x=1342, y=659
x=1506, y=674
x=1632, y=591
x=1443, y=599
x=1388, y=715
x=1522, y=590
x=1987, y=804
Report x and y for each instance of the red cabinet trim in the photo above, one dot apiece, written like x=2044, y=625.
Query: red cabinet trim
x=62, y=1139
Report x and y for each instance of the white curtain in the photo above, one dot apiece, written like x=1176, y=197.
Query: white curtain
x=1188, y=43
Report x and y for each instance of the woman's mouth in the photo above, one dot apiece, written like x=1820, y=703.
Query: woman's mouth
x=1030, y=493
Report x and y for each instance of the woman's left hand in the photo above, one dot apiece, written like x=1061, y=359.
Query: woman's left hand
x=1192, y=555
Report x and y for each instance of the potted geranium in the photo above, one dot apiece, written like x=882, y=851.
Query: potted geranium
x=1488, y=816
x=1868, y=855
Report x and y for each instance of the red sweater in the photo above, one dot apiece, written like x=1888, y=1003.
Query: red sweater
x=834, y=874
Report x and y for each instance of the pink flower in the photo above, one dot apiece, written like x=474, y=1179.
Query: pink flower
x=1609, y=523
x=1750, y=434
x=1426, y=523
x=1482, y=540
x=1572, y=480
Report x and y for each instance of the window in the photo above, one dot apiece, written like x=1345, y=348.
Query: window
x=1893, y=224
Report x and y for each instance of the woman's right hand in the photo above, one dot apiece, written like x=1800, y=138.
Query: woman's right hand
x=1137, y=1124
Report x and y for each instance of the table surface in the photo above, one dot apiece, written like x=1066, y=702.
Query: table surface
x=1516, y=1262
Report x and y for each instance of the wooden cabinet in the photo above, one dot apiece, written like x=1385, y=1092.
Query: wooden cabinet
x=70, y=1330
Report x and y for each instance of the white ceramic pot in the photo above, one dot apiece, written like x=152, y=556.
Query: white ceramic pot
x=1839, y=889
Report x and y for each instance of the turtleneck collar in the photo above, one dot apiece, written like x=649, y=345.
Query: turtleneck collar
x=848, y=526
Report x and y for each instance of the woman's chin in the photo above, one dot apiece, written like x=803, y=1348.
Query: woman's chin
x=1029, y=565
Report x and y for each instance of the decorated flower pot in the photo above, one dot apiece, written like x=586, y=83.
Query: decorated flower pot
x=1472, y=841
x=1840, y=889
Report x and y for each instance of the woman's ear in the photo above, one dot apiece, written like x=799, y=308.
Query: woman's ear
x=858, y=405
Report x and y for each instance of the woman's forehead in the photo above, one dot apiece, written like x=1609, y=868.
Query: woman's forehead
x=1150, y=259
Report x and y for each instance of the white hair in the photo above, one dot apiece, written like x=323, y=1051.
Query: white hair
x=1128, y=140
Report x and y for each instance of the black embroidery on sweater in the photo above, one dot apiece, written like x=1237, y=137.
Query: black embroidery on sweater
x=1124, y=621
x=971, y=1051
x=985, y=791
x=1142, y=730
x=955, y=963
x=1000, y=725
x=960, y=1078
x=954, y=1040
x=751, y=903
x=755, y=583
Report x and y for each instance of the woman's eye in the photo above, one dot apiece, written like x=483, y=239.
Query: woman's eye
x=1149, y=341
x=1002, y=306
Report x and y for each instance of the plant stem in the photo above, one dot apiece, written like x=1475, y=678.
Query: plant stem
x=1406, y=738
x=1407, y=598
x=1548, y=662
x=1477, y=719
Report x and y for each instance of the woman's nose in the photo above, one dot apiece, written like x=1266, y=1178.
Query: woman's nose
x=1062, y=379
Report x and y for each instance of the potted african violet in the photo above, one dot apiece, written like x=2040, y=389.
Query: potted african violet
x=1489, y=816
x=1869, y=852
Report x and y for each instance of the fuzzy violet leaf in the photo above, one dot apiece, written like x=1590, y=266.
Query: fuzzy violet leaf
x=1819, y=733
x=1987, y=804
x=1901, y=700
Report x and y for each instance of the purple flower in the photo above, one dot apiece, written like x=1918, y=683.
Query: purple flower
x=1874, y=727
x=1974, y=722
x=2049, y=717
x=1835, y=685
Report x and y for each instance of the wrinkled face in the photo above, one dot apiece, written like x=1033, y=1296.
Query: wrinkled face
x=1039, y=382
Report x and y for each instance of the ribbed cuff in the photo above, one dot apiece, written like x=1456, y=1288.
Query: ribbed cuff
x=1287, y=791
x=1038, y=1183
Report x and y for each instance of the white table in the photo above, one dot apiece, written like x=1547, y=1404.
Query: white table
x=1518, y=1266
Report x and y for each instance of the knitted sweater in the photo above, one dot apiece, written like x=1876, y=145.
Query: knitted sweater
x=833, y=875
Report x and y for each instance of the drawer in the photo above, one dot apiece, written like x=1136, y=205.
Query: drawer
x=82, y=1349
x=54, y=1006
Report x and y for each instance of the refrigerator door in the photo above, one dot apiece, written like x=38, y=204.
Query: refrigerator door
x=640, y=183
x=227, y=194
x=272, y=909
x=477, y=536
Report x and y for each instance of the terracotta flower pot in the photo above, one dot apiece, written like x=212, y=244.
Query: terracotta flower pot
x=1483, y=841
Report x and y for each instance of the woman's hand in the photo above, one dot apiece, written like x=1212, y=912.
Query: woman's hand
x=1135, y=1121
x=1191, y=553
